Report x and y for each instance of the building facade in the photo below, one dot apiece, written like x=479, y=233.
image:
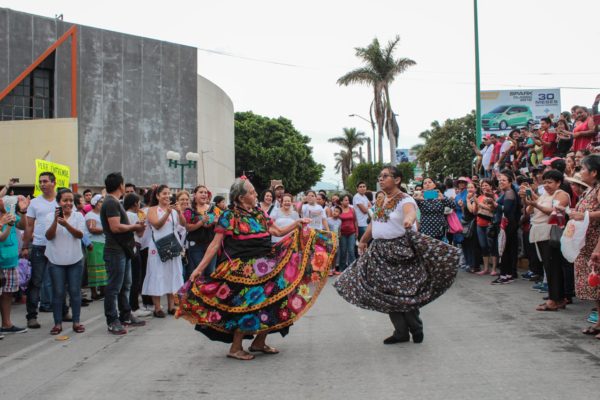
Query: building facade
x=136, y=98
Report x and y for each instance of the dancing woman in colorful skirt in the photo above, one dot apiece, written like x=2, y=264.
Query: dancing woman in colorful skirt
x=402, y=270
x=258, y=287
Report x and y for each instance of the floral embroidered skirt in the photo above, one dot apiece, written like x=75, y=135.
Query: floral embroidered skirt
x=401, y=274
x=265, y=294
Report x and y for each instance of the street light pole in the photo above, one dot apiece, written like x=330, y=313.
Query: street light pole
x=373, y=128
x=477, y=79
x=192, y=162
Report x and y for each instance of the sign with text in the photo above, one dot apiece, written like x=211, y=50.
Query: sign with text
x=503, y=110
x=61, y=172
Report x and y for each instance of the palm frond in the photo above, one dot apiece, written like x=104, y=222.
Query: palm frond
x=364, y=76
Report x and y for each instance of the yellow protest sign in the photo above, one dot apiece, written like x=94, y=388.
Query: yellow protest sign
x=61, y=172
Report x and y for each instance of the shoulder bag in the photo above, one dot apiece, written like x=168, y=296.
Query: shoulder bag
x=168, y=247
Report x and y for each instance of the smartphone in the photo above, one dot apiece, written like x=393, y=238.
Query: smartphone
x=60, y=212
x=430, y=194
x=528, y=193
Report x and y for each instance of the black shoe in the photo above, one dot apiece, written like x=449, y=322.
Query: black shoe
x=86, y=301
x=393, y=340
x=43, y=309
x=418, y=337
x=133, y=321
x=85, y=304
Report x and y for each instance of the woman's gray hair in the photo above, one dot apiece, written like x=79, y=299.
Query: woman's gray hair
x=238, y=188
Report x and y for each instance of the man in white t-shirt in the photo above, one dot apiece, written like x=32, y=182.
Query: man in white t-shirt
x=486, y=157
x=361, y=205
x=35, y=235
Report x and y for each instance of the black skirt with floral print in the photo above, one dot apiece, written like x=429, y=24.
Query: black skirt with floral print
x=401, y=274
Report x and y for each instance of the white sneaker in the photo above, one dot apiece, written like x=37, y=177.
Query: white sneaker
x=142, y=313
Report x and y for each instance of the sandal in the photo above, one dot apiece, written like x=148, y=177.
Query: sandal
x=546, y=307
x=78, y=328
x=591, y=330
x=481, y=273
x=159, y=314
x=56, y=330
x=172, y=311
x=265, y=350
x=241, y=355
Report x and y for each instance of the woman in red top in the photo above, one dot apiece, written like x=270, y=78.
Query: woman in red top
x=348, y=231
x=486, y=207
x=585, y=132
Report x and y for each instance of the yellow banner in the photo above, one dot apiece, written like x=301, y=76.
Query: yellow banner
x=62, y=173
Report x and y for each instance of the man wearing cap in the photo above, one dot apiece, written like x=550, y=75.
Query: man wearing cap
x=279, y=192
x=486, y=157
x=549, y=146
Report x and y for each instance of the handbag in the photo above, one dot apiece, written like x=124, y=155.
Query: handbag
x=556, y=233
x=454, y=224
x=168, y=247
x=469, y=229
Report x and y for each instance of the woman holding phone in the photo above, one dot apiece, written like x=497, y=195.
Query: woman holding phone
x=65, y=258
x=432, y=205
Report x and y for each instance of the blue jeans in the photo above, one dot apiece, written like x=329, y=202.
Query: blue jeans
x=489, y=247
x=361, y=231
x=39, y=266
x=46, y=290
x=195, y=254
x=346, y=251
x=116, y=292
x=69, y=275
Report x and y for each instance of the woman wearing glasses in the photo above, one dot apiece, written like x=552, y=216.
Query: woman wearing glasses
x=401, y=270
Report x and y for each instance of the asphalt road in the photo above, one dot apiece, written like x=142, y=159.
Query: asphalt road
x=481, y=342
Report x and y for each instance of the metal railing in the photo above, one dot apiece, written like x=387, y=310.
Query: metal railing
x=20, y=107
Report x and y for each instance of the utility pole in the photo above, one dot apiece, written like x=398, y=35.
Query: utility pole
x=477, y=79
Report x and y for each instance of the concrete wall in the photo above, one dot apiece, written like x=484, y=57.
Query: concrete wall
x=137, y=97
x=215, y=137
x=38, y=137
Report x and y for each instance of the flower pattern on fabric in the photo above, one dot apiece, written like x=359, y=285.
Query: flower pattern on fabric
x=583, y=290
x=400, y=275
x=263, y=294
x=240, y=222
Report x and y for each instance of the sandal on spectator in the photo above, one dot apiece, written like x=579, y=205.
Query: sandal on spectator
x=56, y=330
x=591, y=330
x=78, y=328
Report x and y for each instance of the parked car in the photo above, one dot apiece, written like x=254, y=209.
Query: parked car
x=507, y=116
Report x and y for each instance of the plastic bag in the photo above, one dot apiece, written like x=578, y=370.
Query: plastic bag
x=501, y=242
x=573, y=238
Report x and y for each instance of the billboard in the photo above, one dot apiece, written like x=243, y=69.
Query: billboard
x=503, y=110
x=405, y=155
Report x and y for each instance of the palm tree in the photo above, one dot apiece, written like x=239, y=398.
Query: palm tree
x=349, y=142
x=379, y=71
x=343, y=161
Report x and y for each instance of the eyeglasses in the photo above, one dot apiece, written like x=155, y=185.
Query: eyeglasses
x=384, y=176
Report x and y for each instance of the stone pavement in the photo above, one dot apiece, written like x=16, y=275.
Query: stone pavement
x=481, y=342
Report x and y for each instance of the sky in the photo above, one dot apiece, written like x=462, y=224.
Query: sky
x=285, y=57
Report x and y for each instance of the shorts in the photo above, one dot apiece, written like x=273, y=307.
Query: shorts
x=10, y=280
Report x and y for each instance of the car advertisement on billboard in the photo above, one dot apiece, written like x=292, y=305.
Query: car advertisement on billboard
x=405, y=155
x=503, y=110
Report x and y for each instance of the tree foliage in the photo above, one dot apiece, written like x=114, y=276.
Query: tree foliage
x=447, y=151
x=369, y=173
x=379, y=70
x=364, y=172
x=273, y=149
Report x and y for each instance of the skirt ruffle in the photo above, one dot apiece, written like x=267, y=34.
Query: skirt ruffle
x=266, y=294
x=400, y=275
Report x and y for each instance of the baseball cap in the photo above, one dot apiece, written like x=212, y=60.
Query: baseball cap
x=96, y=199
x=464, y=179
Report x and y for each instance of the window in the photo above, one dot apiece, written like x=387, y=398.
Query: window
x=33, y=98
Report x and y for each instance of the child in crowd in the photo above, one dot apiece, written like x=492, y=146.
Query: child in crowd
x=334, y=222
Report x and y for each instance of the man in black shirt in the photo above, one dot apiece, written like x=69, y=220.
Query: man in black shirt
x=118, y=251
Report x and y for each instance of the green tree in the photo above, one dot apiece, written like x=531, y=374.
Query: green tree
x=343, y=161
x=380, y=69
x=273, y=149
x=365, y=172
x=349, y=142
x=446, y=151
x=408, y=171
